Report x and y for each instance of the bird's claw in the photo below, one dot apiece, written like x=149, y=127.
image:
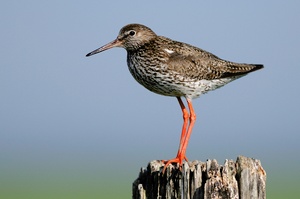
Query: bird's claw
x=179, y=159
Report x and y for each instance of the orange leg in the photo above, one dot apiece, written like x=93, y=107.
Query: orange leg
x=185, y=123
x=185, y=134
x=189, y=131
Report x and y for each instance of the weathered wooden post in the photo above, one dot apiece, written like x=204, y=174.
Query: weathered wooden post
x=244, y=179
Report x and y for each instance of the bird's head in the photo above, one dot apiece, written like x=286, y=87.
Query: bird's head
x=130, y=37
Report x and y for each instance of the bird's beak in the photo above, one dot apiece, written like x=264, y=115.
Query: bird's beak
x=114, y=43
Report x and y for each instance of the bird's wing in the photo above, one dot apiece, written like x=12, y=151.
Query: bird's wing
x=207, y=67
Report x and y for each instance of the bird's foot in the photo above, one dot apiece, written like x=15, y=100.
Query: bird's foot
x=179, y=159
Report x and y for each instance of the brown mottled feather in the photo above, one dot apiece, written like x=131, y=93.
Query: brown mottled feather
x=196, y=63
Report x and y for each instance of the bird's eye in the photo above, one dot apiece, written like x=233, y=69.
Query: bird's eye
x=132, y=32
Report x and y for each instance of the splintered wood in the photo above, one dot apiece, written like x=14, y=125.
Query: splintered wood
x=243, y=179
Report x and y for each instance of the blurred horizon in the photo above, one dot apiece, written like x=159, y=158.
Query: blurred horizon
x=78, y=127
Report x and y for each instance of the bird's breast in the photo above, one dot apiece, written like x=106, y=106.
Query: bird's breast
x=152, y=74
x=155, y=75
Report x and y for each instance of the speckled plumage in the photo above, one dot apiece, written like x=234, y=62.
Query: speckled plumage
x=173, y=68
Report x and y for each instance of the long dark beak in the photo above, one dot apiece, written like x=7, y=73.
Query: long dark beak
x=114, y=43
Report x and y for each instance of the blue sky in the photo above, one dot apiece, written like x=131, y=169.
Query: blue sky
x=71, y=119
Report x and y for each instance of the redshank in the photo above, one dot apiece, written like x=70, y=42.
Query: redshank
x=177, y=69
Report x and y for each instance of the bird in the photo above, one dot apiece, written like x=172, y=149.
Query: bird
x=177, y=69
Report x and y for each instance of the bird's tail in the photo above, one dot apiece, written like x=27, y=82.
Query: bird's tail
x=241, y=69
